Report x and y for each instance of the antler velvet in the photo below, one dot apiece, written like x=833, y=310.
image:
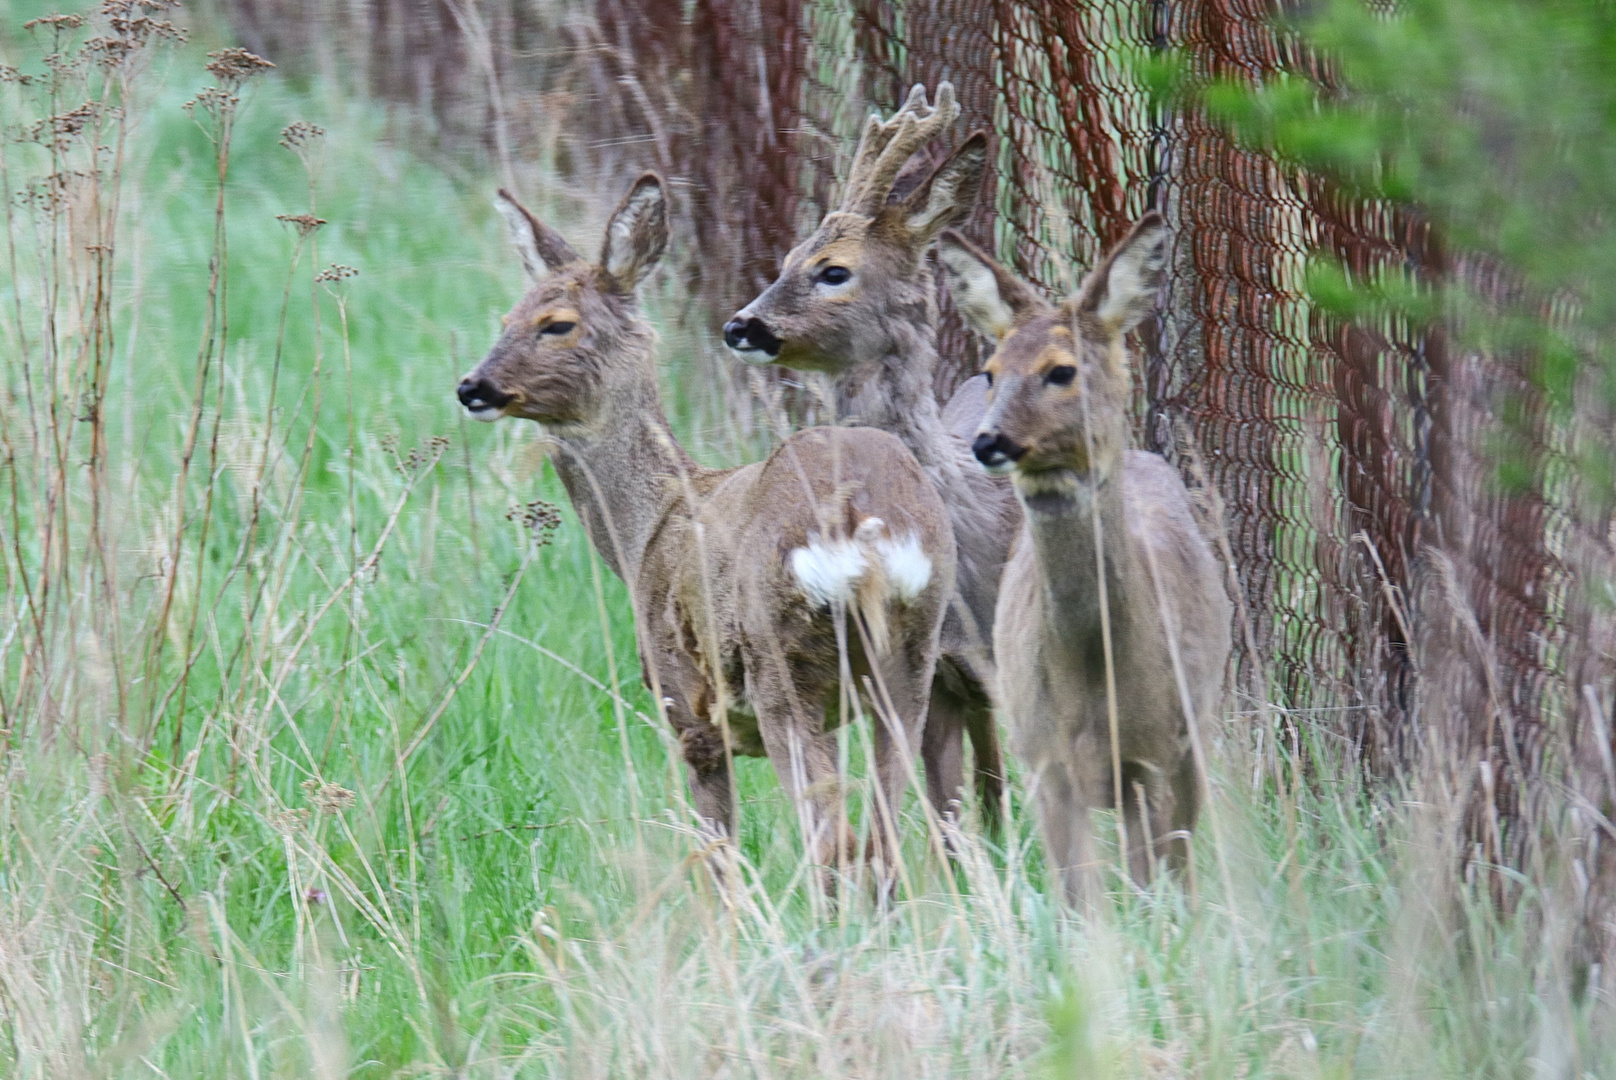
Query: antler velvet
x=886, y=145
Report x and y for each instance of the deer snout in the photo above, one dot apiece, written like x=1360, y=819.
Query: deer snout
x=482, y=399
x=996, y=453
x=751, y=340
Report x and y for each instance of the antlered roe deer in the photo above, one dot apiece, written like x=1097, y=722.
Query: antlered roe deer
x=1112, y=629
x=857, y=301
x=758, y=592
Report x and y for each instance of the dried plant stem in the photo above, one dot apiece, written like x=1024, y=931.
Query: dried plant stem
x=213, y=337
x=364, y=567
x=459, y=680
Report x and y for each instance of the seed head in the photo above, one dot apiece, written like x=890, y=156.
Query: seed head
x=300, y=133
x=59, y=21
x=336, y=272
x=232, y=67
x=64, y=127
x=420, y=457
x=304, y=223
x=328, y=798
x=539, y=517
x=214, y=101
x=288, y=821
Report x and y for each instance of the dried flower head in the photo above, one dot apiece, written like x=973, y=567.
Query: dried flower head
x=60, y=130
x=58, y=21
x=11, y=74
x=109, y=52
x=304, y=223
x=133, y=9
x=422, y=457
x=328, y=798
x=50, y=194
x=539, y=517
x=301, y=133
x=232, y=67
x=133, y=26
x=336, y=272
x=288, y=821
x=213, y=101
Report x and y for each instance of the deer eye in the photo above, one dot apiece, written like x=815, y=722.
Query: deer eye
x=835, y=275
x=558, y=328
x=989, y=374
x=1061, y=376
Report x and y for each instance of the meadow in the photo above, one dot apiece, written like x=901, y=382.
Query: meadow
x=325, y=751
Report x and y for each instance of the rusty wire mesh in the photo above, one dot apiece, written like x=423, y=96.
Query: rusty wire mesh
x=1355, y=464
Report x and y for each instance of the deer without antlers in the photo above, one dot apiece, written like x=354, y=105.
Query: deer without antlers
x=856, y=300
x=1113, y=622
x=760, y=593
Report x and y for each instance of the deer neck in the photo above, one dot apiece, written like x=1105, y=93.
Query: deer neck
x=894, y=392
x=624, y=476
x=1071, y=518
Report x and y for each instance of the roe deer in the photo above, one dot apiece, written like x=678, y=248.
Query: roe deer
x=856, y=300
x=1096, y=673
x=742, y=580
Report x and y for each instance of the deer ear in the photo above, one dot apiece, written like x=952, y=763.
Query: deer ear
x=950, y=192
x=637, y=234
x=1122, y=289
x=989, y=296
x=540, y=246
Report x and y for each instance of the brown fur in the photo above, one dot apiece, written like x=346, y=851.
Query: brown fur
x=876, y=337
x=744, y=661
x=1072, y=465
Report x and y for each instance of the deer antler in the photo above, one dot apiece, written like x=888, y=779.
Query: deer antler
x=885, y=146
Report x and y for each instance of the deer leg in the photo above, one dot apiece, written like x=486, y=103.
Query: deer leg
x=707, y=765
x=710, y=792
x=804, y=758
x=959, y=708
x=942, y=749
x=1065, y=806
x=900, y=715
x=707, y=769
x=984, y=733
x=1186, y=807
x=1148, y=808
x=806, y=764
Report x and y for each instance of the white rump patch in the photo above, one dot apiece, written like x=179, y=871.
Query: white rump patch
x=828, y=570
x=833, y=570
x=908, y=566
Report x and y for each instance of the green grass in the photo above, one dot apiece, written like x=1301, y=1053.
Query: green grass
x=520, y=898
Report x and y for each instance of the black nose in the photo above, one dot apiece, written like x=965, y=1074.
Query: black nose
x=479, y=394
x=995, y=449
x=747, y=334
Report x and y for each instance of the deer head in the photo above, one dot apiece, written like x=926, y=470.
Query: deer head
x=1059, y=381
x=576, y=341
x=834, y=304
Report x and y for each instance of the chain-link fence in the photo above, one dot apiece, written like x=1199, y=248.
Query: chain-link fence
x=1392, y=582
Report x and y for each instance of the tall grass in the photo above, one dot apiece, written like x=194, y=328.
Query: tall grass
x=326, y=755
